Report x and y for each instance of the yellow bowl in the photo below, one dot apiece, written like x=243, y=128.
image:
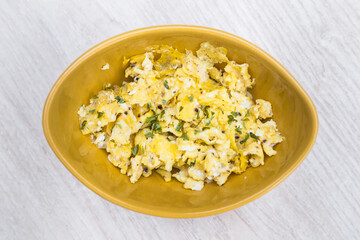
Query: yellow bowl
x=293, y=111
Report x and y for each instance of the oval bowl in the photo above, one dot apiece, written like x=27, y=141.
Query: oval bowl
x=293, y=109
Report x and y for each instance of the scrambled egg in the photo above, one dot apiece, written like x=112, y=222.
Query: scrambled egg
x=182, y=115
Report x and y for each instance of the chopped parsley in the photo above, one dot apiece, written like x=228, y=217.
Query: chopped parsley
x=208, y=120
x=243, y=123
x=197, y=131
x=205, y=128
x=119, y=99
x=238, y=130
x=247, y=113
x=181, y=108
x=148, y=105
x=142, y=150
x=149, y=134
x=254, y=136
x=231, y=119
x=135, y=150
x=245, y=139
x=95, y=97
x=166, y=84
x=152, y=118
x=191, y=98
x=118, y=124
x=179, y=126
x=100, y=114
x=198, y=116
x=206, y=112
x=108, y=88
x=203, y=143
x=163, y=101
x=92, y=111
x=168, y=139
x=192, y=163
x=162, y=113
x=235, y=114
x=155, y=126
x=83, y=124
x=185, y=136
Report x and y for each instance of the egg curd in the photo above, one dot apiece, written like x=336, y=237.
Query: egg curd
x=183, y=115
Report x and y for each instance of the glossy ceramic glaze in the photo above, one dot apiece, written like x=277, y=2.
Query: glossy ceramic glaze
x=293, y=111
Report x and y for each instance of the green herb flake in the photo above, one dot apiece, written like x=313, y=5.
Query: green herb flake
x=198, y=116
x=119, y=125
x=156, y=126
x=197, y=131
x=95, y=97
x=235, y=114
x=152, y=118
x=148, y=105
x=108, y=88
x=247, y=113
x=206, y=112
x=142, y=150
x=83, y=124
x=185, y=136
x=254, y=136
x=181, y=108
x=162, y=113
x=163, y=101
x=208, y=120
x=191, y=98
x=149, y=134
x=179, y=126
x=100, y=114
x=166, y=84
x=112, y=140
x=231, y=119
x=203, y=144
x=168, y=139
x=238, y=130
x=243, y=123
x=192, y=163
x=205, y=128
x=135, y=150
x=92, y=111
x=245, y=139
x=119, y=99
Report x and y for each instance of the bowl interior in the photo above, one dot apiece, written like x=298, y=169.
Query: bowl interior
x=293, y=112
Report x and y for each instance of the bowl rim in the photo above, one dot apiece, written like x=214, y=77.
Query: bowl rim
x=163, y=213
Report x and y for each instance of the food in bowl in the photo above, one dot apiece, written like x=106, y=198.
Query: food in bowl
x=186, y=116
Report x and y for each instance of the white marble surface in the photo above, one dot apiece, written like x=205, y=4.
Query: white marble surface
x=317, y=41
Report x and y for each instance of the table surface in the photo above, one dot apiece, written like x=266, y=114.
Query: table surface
x=317, y=41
